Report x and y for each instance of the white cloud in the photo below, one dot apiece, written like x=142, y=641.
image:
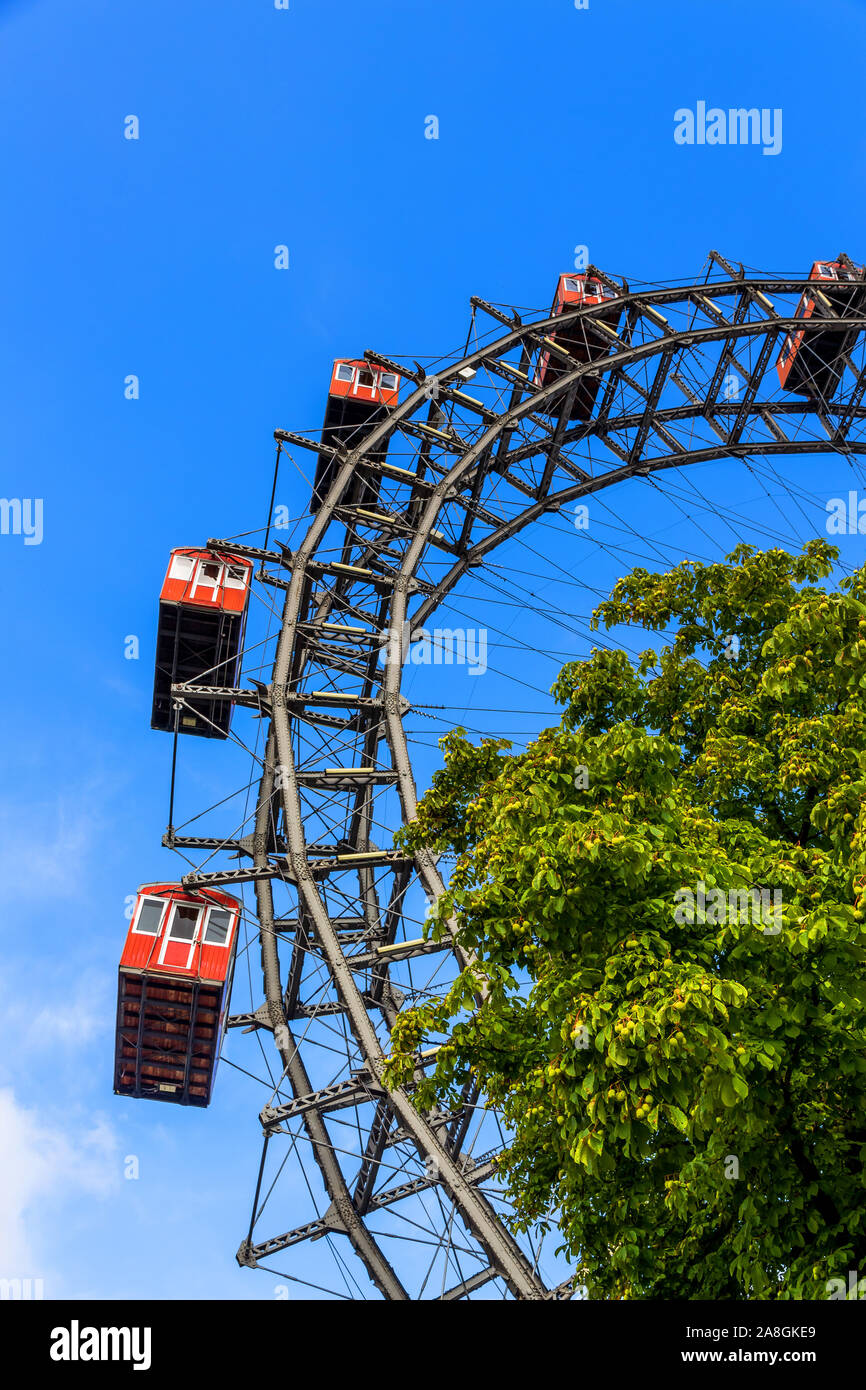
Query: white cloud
x=44, y=1166
x=58, y=1016
x=44, y=845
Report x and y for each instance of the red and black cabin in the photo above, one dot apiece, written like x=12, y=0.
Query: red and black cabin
x=359, y=398
x=173, y=991
x=581, y=340
x=811, y=364
x=202, y=610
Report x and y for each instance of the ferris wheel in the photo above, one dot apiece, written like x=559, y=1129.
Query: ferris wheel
x=423, y=482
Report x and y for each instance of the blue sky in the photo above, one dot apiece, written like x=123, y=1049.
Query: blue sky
x=155, y=257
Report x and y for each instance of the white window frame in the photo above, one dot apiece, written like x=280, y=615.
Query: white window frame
x=235, y=577
x=344, y=367
x=148, y=898
x=179, y=940
x=392, y=378
x=182, y=567
x=365, y=385
x=213, y=586
x=232, y=915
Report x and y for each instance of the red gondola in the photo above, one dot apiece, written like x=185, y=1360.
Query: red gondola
x=811, y=364
x=359, y=398
x=173, y=991
x=581, y=340
x=202, y=609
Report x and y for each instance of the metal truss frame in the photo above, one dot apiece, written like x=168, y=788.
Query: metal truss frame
x=458, y=457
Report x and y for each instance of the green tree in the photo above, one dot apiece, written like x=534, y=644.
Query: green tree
x=685, y=1085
